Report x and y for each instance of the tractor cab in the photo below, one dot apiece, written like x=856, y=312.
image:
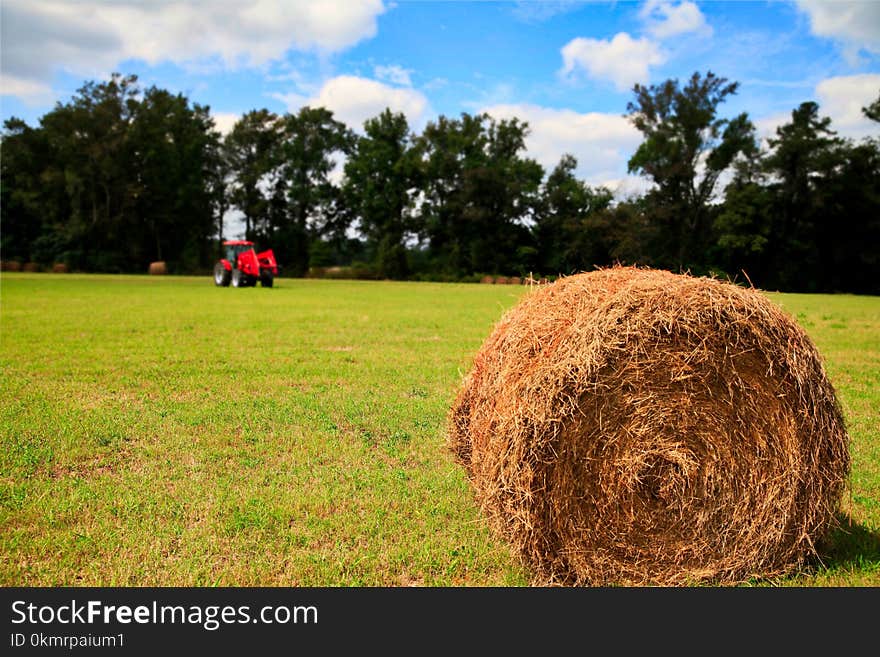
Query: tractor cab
x=243, y=267
x=235, y=247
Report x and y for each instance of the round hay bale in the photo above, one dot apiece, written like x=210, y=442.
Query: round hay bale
x=631, y=426
x=501, y=280
x=59, y=268
x=514, y=280
x=487, y=280
x=158, y=268
x=11, y=265
x=30, y=267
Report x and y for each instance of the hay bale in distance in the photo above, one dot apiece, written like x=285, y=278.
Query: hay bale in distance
x=487, y=280
x=30, y=267
x=631, y=426
x=531, y=280
x=59, y=268
x=158, y=268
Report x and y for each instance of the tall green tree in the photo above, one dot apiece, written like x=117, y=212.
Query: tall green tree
x=803, y=216
x=252, y=157
x=501, y=197
x=569, y=239
x=802, y=158
x=687, y=146
x=743, y=228
x=114, y=178
x=312, y=142
x=32, y=210
x=174, y=154
x=91, y=154
x=479, y=194
x=449, y=148
x=849, y=232
x=381, y=178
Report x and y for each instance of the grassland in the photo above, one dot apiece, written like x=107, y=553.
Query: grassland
x=161, y=431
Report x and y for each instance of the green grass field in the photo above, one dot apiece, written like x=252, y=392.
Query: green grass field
x=164, y=432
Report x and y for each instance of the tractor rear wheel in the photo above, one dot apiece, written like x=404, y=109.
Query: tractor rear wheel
x=221, y=275
x=266, y=279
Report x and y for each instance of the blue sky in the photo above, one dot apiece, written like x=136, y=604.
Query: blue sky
x=565, y=67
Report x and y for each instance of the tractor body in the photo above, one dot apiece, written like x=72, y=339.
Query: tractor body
x=243, y=266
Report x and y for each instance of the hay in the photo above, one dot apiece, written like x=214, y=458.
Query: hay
x=158, y=268
x=632, y=426
x=59, y=268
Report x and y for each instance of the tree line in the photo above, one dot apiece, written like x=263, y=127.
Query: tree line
x=121, y=176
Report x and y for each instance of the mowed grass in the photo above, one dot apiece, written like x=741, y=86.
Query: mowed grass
x=161, y=431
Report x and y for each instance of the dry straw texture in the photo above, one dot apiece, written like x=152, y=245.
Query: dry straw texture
x=158, y=268
x=631, y=426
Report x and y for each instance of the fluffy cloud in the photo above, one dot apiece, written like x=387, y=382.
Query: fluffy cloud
x=39, y=38
x=765, y=126
x=855, y=24
x=602, y=143
x=30, y=92
x=623, y=60
x=225, y=121
x=842, y=98
x=664, y=19
x=353, y=100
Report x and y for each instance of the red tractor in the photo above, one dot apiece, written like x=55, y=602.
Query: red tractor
x=243, y=266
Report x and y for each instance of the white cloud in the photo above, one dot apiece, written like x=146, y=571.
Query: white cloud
x=225, y=121
x=353, y=100
x=765, y=127
x=664, y=19
x=39, y=39
x=628, y=187
x=623, y=60
x=393, y=74
x=28, y=91
x=337, y=173
x=855, y=24
x=602, y=143
x=842, y=98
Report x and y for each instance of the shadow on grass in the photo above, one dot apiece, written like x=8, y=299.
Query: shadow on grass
x=851, y=546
